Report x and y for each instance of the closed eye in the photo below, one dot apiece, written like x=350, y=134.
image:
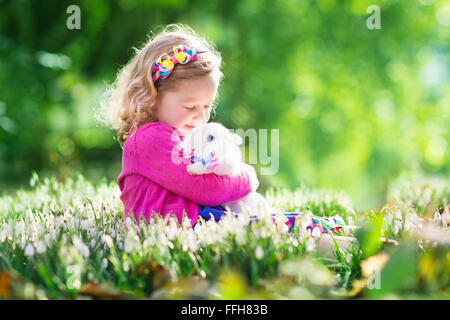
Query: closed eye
x=192, y=108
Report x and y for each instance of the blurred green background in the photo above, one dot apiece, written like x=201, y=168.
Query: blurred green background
x=354, y=107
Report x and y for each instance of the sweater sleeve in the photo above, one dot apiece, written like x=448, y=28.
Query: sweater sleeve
x=158, y=158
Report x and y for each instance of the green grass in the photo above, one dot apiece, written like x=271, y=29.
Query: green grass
x=67, y=241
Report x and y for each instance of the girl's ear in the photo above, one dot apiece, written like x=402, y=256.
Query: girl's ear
x=236, y=138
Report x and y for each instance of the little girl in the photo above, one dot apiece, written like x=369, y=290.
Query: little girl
x=158, y=98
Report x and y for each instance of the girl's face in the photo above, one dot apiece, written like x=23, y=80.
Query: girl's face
x=189, y=105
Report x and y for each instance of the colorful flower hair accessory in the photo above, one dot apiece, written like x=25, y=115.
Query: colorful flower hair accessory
x=164, y=65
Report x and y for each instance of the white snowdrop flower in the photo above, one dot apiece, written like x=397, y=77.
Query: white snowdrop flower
x=389, y=218
x=162, y=239
x=240, y=239
x=91, y=232
x=149, y=242
x=190, y=241
x=259, y=252
x=302, y=234
x=129, y=244
x=93, y=242
x=104, y=263
x=128, y=222
x=444, y=220
x=59, y=221
x=409, y=226
x=74, y=223
x=47, y=238
x=30, y=230
x=243, y=219
x=397, y=226
x=348, y=256
x=316, y=233
x=20, y=227
x=29, y=213
x=112, y=232
x=50, y=221
x=104, y=214
x=67, y=216
x=54, y=234
x=239, y=231
x=437, y=217
x=84, y=250
x=283, y=228
x=132, y=241
x=40, y=228
x=310, y=244
x=84, y=224
x=193, y=245
x=350, y=220
x=29, y=250
x=41, y=247
x=81, y=247
x=306, y=220
x=398, y=214
x=7, y=231
x=171, y=231
x=186, y=222
x=426, y=197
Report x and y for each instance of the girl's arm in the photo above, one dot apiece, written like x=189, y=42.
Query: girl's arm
x=157, y=158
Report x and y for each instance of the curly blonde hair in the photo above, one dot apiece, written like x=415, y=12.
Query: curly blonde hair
x=130, y=101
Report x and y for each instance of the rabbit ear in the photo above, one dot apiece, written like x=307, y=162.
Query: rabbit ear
x=236, y=138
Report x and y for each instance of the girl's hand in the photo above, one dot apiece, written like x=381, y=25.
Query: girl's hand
x=196, y=169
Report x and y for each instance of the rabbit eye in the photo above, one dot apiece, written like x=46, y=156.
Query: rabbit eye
x=210, y=137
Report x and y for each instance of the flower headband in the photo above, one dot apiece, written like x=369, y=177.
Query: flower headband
x=164, y=65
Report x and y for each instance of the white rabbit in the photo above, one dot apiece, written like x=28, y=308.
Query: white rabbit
x=214, y=149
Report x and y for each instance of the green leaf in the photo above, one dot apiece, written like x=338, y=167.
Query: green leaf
x=398, y=275
x=369, y=236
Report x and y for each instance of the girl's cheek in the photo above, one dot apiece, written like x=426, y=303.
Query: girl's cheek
x=207, y=115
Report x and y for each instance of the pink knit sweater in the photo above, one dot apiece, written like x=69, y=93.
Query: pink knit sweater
x=151, y=182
